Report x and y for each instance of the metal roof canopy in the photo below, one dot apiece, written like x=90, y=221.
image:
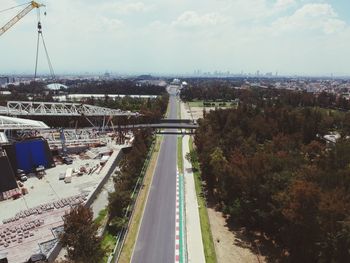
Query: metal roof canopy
x=10, y=123
x=29, y=108
x=73, y=136
x=5, y=111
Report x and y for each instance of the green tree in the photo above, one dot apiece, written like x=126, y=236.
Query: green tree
x=191, y=156
x=219, y=166
x=80, y=236
x=118, y=202
x=117, y=223
x=301, y=211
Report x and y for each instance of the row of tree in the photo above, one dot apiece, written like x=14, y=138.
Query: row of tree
x=122, y=86
x=267, y=168
x=224, y=91
x=126, y=178
x=38, y=91
x=151, y=109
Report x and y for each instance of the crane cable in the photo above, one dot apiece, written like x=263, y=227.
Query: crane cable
x=40, y=35
x=52, y=72
x=8, y=9
x=37, y=45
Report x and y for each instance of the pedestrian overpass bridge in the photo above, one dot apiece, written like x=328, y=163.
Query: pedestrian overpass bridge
x=168, y=126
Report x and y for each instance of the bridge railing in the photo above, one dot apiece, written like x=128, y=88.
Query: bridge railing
x=186, y=121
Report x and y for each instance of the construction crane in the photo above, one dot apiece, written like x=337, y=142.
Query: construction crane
x=31, y=5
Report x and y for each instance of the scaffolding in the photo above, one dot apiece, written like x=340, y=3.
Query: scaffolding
x=29, y=108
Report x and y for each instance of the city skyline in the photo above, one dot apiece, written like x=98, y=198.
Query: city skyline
x=293, y=37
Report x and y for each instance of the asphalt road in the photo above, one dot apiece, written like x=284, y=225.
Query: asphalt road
x=156, y=238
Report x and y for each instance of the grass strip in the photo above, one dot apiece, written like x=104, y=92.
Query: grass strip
x=222, y=104
x=207, y=237
x=180, y=164
x=167, y=111
x=130, y=241
x=101, y=216
x=108, y=243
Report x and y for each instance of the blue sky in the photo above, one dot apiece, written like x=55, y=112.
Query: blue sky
x=342, y=7
x=309, y=37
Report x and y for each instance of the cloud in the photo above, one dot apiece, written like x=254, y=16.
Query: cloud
x=182, y=35
x=105, y=24
x=193, y=19
x=311, y=17
x=126, y=8
x=284, y=4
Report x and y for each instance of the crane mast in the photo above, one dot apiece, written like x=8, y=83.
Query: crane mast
x=19, y=16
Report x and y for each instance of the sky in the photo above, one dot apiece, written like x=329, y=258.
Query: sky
x=305, y=37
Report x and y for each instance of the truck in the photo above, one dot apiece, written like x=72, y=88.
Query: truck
x=68, y=177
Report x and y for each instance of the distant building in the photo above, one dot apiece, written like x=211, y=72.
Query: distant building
x=5, y=93
x=4, y=81
x=346, y=96
x=184, y=84
x=56, y=86
x=176, y=82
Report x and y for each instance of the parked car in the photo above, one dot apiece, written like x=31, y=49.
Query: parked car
x=19, y=171
x=23, y=178
x=67, y=160
x=37, y=258
x=40, y=168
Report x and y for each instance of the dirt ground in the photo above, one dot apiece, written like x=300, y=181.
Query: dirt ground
x=228, y=247
x=197, y=112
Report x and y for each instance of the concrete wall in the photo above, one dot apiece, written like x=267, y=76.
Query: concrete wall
x=107, y=171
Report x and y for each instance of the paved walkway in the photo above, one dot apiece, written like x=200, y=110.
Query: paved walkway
x=193, y=228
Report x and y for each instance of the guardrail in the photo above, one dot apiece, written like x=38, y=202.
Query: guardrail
x=129, y=214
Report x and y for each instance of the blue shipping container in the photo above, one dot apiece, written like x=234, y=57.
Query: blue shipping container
x=30, y=154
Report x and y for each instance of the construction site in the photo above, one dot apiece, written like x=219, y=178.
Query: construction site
x=46, y=171
x=47, y=167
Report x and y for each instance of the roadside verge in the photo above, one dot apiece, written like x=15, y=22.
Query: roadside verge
x=207, y=237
